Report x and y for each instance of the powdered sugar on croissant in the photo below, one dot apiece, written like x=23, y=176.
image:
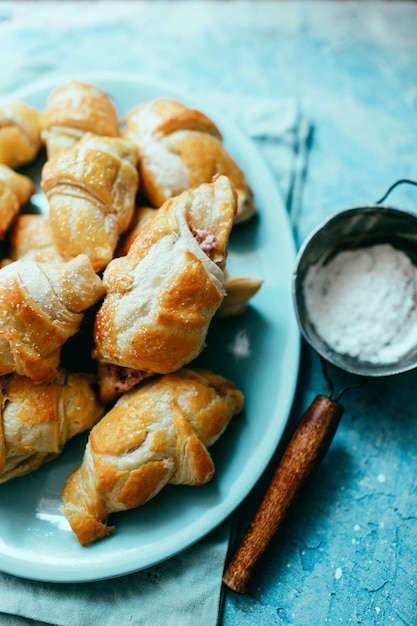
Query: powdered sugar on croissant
x=163, y=294
x=154, y=435
x=91, y=191
x=74, y=109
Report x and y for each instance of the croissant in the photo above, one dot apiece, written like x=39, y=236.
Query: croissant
x=161, y=296
x=37, y=419
x=238, y=293
x=180, y=148
x=15, y=191
x=41, y=306
x=238, y=290
x=31, y=239
x=91, y=190
x=74, y=109
x=156, y=434
x=20, y=138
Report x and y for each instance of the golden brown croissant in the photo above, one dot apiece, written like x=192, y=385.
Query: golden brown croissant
x=31, y=239
x=91, y=190
x=20, y=138
x=15, y=191
x=22, y=186
x=238, y=293
x=113, y=380
x=239, y=290
x=163, y=294
x=154, y=435
x=37, y=419
x=42, y=305
x=180, y=148
x=74, y=109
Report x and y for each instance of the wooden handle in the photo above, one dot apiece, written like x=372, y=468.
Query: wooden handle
x=305, y=450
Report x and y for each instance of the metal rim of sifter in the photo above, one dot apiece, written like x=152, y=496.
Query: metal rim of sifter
x=350, y=229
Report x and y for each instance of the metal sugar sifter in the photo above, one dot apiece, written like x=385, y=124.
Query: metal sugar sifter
x=348, y=229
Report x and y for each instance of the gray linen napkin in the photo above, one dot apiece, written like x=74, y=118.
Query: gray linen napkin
x=186, y=589
x=281, y=133
x=182, y=591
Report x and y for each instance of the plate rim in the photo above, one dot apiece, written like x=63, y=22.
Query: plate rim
x=18, y=566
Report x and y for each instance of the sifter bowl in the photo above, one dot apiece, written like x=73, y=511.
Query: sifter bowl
x=347, y=230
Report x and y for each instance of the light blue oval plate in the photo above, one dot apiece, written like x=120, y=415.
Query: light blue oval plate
x=259, y=351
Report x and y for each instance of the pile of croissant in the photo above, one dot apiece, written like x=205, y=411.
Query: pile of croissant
x=128, y=267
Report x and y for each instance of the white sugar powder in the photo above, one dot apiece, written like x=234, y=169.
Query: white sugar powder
x=364, y=303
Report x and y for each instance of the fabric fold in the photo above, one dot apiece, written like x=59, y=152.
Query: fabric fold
x=183, y=590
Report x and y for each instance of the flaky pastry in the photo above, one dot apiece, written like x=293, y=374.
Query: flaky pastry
x=239, y=291
x=180, y=148
x=20, y=139
x=91, y=190
x=41, y=306
x=31, y=238
x=15, y=191
x=154, y=435
x=74, y=109
x=161, y=296
x=37, y=419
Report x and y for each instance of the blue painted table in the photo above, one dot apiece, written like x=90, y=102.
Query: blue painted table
x=347, y=552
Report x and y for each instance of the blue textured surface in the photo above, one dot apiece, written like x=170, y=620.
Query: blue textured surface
x=347, y=552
